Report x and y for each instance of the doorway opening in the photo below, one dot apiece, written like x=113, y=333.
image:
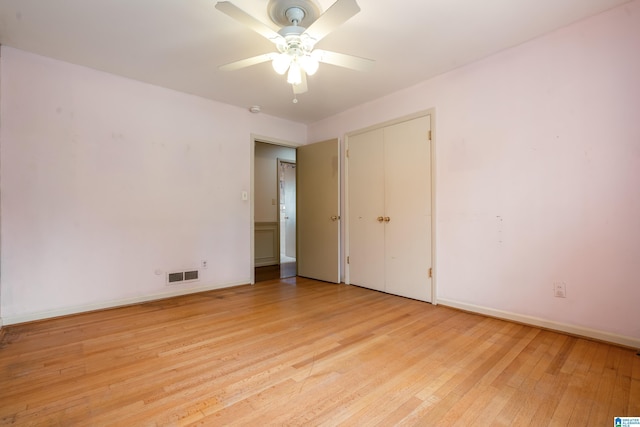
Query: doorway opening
x=274, y=211
x=317, y=224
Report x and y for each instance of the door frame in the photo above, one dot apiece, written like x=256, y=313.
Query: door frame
x=429, y=112
x=252, y=218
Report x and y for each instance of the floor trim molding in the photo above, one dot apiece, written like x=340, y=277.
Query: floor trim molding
x=544, y=323
x=66, y=311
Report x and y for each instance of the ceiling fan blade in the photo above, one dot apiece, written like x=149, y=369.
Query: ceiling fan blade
x=302, y=87
x=247, y=62
x=243, y=17
x=343, y=60
x=337, y=14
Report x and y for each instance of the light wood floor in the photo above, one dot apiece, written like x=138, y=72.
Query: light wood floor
x=300, y=352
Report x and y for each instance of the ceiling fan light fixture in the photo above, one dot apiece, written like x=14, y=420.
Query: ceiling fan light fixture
x=317, y=55
x=294, y=77
x=301, y=27
x=309, y=64
x=281, y=63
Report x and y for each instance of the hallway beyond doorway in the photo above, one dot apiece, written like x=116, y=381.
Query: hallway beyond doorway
x=274, y=272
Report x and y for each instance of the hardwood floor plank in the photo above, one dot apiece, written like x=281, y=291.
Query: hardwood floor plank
x=300, y=352
x=484, y=413
x=634, y=389
x=577, y=391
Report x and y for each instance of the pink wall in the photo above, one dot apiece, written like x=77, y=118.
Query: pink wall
x=107, y=181
x=538, y=174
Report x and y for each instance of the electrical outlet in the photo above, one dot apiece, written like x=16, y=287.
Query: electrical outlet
x=204, y=263
x=560, y=290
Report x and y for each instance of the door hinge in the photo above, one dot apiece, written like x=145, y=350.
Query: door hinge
x=429, y=136
x=430, y=273
x=347, y=260
x=347, y=153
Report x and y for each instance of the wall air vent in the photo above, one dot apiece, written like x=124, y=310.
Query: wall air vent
x=182, y=276
x=175, y=277
x=191, y=275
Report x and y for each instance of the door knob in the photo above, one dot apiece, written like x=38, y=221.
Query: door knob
x=387, y=219
x=380, y=219
x=335, y=218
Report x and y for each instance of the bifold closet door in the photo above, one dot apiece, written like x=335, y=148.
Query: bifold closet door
x=389, y=199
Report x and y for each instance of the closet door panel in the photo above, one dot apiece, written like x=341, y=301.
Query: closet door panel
x=366, y=204
x=408, y=207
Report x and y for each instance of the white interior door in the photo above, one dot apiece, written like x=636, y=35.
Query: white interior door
x=407, y=192
x=288, y=208
x=318, y=213
x=366, y=209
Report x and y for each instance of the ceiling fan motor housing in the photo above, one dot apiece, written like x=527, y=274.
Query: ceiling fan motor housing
x=284, y=12
x=295, y=15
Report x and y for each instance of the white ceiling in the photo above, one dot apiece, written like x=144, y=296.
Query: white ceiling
x=179, y=44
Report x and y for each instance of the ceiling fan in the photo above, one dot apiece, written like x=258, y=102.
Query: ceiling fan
x=295, y=42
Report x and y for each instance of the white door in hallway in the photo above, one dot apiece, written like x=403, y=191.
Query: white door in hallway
x=288, y=207
x=389, y=192
x=318, y=213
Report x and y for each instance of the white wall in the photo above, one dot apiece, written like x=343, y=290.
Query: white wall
x=538, y=176
x=107, y=181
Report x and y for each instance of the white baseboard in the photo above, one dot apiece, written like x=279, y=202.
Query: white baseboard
x=546, y=324
x=12, y=320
